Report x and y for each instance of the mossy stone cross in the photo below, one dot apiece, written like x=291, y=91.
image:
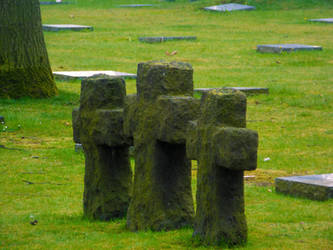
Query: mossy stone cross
x=156, y=118
x=98, y=125
x=224, y=148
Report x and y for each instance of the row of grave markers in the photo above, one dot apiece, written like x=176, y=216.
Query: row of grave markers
x=318, y=187
x=269, y=48
x=168, y=128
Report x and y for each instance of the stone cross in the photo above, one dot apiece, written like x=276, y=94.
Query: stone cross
x=157, y=119
x=98, y=125
x=224, y=148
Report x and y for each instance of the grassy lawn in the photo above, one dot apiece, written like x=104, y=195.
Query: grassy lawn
x=294, y=122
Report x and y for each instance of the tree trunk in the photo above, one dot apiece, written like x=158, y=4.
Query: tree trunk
x=24, y=64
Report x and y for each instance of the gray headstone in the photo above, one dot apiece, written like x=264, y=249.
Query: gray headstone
x=2, y=119
x=278, y=48
x=322, y=20
x=315, y=187
x=245, y=90
x=160, y=39
x=229, y=7
x=71, y=75
x=73, y=27
x=135, y=5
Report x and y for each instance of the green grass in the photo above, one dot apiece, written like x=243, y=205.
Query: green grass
x=294, y=121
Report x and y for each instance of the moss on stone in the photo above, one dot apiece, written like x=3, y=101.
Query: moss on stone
x=162, y=78
x=223, y=151
x=76, y=125
x=108, y=176
x=157, y=120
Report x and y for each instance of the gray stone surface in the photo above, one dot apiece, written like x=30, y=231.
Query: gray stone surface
x=278, y=48
x=59, y=27
x=78, y=147
x=2, y=119
x=322, y=20
x=315, y=187
x=246, y=90
x=229, y=7
x=52, y=2
x=71, y=75
x=160, y=39
x=135, y=5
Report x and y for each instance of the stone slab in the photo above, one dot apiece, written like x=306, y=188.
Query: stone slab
x=245, y=90
x=135, y=5
x=160, y=39
x=71, y=75
x=322, y=20
x=229, y=7
x=315, y=187
x=52, y=2
x=59, y=27
x=278, y=48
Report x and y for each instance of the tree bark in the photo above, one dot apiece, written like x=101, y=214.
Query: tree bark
x=24, y=64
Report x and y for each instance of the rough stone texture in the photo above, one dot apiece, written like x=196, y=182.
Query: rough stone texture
x=156, y=119
x=71, y=75
x=229, y=7
x=108, y=175
x=246, y=90
x=224, y=148
x=59, y=27
x=322, y=20
x=135, y=5
x=76, y=125
x=315, y=187
x=2, y=119
x=160, y=39
x=278, y=48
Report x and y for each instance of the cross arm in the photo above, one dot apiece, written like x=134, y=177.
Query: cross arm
x=174, y=113
x=104, y=127
x=235, y=148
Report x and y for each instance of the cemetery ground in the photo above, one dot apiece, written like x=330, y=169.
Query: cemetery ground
x=42, y=176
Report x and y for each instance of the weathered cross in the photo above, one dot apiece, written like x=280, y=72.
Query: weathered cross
x=157, y=119
x=224, y=148
x=98, y=126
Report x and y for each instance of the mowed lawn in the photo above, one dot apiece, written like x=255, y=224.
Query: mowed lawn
x=41, y=176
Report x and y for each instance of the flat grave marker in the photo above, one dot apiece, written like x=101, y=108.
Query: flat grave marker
x=322, y=20
x=245, y=90
x=229, y=7
x=135, y=5
x=52, y=2
x=59, y=27
x=315, y=187
x=71, y=75
x=160, y=39
x=278, y=48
